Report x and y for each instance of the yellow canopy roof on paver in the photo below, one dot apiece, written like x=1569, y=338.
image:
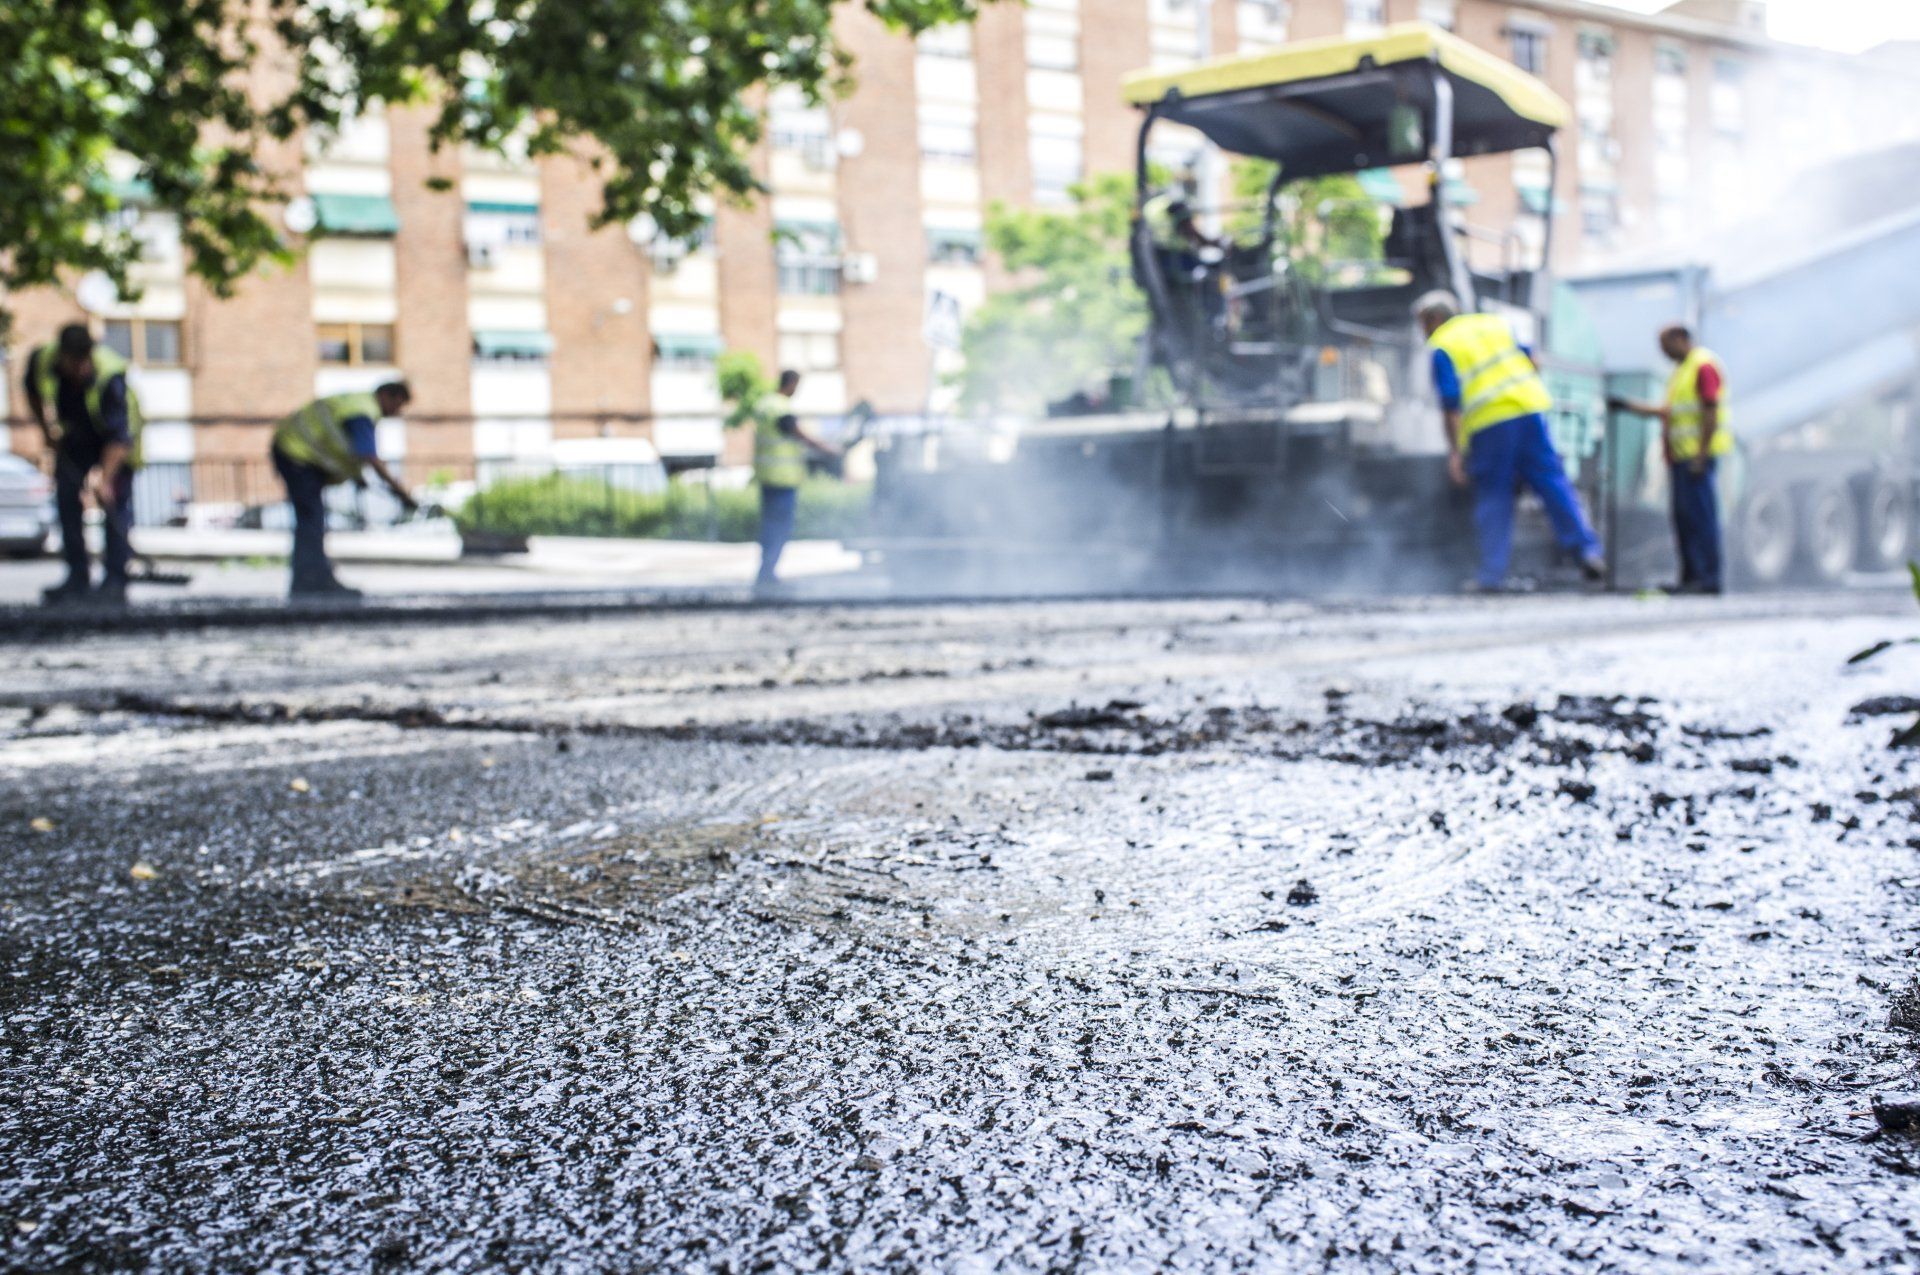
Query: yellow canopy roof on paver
x=1318, y=106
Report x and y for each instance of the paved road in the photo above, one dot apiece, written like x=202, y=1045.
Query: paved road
x=1199, y=935
x=245, y=565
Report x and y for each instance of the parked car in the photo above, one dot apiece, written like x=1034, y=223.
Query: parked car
x=26, y=509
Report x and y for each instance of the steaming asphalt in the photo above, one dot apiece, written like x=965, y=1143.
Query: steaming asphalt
x=1527, y=934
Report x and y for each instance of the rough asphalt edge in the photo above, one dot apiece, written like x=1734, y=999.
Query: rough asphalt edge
x=28, y=624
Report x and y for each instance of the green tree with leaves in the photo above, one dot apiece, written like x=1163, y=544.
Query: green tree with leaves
x=743, y=383
x=1319, y=220
x=660, y=96
x=1072, y=315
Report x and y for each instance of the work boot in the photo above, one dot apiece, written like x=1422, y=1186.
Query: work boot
x=112, y=593
x=1593, y=569
x=1505, y=588
x=324, y=591
x=70, y=592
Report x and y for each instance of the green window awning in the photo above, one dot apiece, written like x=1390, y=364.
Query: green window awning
x=1537, y=199
x=939, y=237
x=512, y=345
x=1379, y=184
x=502, y=208
x=808, y=236
x=371, y=215
x=688, y=345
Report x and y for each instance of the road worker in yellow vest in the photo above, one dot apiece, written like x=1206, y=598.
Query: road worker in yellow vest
x=78, y=393
x=1494, y=403
x=331, y=440
x=780, y=450
x=1696, y=436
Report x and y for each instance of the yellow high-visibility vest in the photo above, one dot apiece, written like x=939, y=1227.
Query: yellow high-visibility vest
x=107, y=364
x=1498, y=382
x=1683, y=407
x=779, y=460
x=317, y=434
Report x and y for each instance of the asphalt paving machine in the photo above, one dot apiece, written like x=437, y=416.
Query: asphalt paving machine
x=1302, y=447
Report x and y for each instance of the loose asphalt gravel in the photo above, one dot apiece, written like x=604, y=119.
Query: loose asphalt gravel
x=1522, y=934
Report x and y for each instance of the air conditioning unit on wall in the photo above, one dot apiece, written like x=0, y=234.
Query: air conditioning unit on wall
x=859, y=267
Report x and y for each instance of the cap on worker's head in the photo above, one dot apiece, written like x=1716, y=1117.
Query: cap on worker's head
x=789, y=379
x=397, y=391
x=1676, y=331
x=1439, y=303
x=75, y=342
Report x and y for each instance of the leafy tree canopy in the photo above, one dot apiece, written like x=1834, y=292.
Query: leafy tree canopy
x=1073, y=315
x=1320, y=219
x=658, y=92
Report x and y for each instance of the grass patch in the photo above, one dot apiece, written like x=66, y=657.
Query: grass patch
x=563, y=505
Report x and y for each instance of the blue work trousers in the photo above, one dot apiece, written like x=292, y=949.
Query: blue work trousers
x=777, y=507
x=71, y=465
x=307, y=493
x=1500, y=458
x=1696, y=525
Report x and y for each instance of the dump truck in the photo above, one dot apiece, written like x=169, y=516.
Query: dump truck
x=1299, y=446
x=1811, y=306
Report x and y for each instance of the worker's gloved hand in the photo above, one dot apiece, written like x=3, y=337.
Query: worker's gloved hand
x=1616, y=404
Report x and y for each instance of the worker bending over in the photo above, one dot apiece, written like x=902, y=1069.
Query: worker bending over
x=1695, y=436
x=1494, y=405
x=331, y=440
x=780, y=465
x=90, y=416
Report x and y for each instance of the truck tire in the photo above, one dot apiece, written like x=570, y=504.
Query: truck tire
x=1766, y=541
x=1829, y=532
x=1886, y=525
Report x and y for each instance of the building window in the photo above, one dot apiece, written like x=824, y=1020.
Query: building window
x=953, y=246
x=794, y=124
x=809, y=351
x=1058, y=165
x=1669, y=59
x=147, y=342
x=1729, y=106
x=1263, y=22
x=1053, y=40
x=356, y=344
x=1366, y=17
x=951, y=140
x=954, y=40
x=514, y=347
x=667, y=254
x=685, y=352
x=807, y=258
x=1599, y=216
x=1598, y=151
x=1047, y=52
x=1440, y=13
x=494, y=224
x=1529, y=45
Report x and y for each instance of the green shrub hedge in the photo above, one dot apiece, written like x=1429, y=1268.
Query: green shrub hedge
x=563, y=505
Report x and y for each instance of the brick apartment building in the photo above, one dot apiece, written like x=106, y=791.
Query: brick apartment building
x=518, y=327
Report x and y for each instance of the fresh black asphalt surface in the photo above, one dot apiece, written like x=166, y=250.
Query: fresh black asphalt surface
x=1532, y=934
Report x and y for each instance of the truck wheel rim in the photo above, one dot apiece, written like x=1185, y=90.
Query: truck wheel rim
x=1888, y=526
x=1769, y=538
x=1832, y=538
